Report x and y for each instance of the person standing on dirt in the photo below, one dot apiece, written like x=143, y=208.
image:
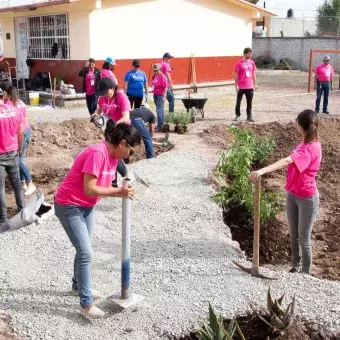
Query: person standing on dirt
x=139, y=118
x=166, y=70
x=114, y=105
x=108, y=68
x=11, y=141
x=10, y=98
x=302, y=194
x=91, y=77
x=159, y=89
x=324, y=82
x=245, y=83
x=136, y=84
x=83, y=187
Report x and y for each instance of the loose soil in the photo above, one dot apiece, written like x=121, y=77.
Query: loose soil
x=53, y=148
x=275, y=244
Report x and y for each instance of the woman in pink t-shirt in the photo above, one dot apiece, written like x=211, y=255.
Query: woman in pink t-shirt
x=10, y=98
x=108, y=68
x=302, y=194
x=88, y=180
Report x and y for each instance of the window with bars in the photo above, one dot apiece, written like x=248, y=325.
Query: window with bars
x=48, y=37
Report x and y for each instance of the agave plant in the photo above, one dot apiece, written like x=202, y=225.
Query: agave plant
x=280, y=318
x=214, y=330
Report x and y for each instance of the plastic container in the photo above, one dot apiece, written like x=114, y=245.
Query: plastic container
x=34, y=98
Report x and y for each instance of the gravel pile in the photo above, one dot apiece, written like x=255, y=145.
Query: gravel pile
x=181, y=259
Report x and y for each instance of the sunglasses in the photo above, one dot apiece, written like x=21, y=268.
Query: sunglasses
x=132, y=151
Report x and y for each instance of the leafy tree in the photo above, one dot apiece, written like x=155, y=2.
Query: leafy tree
x=254, y=1
x=328, y=17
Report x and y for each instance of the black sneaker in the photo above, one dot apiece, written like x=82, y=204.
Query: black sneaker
x=250, y=120
x=317, y=111
x=325, y=112
x=237, y=119
x=294, y=270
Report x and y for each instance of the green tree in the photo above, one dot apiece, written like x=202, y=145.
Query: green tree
x=328, y=17
x=254, y=1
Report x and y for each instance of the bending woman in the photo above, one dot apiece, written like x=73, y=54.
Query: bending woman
x=10, y=98
x=302, y=194
x=86, y=183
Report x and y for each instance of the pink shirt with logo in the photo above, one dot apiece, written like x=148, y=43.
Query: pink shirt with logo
x=89, y=82
x=108, y=74
x=22, y=112
x=94, y=160
x=115, y=106
x=159, y=83
x=301, y=174
x=324, y=72
x=10, y=119
x=245, y=69
x=165, y=67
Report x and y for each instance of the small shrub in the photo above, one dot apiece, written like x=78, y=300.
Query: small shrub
x=265, y=62
x=168, y=118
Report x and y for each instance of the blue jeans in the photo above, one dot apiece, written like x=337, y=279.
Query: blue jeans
x=78, y=223
x=171, y=99
x=25, y=175
x=322, y=88
x=158, y=99
x=91, y=102
x=301, y=214
x=139, y=124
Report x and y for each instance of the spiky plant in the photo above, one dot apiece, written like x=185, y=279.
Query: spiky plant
x=214, y=330
x=280, y=319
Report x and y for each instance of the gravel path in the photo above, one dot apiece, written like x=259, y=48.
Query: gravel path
x=181, y=259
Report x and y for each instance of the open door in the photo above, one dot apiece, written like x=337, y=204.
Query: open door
x=21, y=48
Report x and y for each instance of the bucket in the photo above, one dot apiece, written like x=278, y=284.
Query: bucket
x=34, y=98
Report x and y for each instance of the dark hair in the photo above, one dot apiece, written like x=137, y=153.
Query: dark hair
x=247, y=50
x=91, y=60
x=114, y=134
x=11, y=91
x=309, y=121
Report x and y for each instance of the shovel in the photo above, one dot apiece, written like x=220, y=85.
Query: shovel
x=255, y=268
x=165, y=141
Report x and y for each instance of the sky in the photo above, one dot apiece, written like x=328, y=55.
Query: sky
x=301, y=8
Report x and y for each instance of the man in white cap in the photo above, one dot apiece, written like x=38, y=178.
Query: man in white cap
x=324, y=80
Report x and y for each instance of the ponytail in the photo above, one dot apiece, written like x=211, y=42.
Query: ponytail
x=114, y=133
x=11, y=92
x=308, y=120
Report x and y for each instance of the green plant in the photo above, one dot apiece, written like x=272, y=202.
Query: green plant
x=233, y=172
x=280, y=319
x=185, y=118
x=176, y=118
x=214, y=330
x=168, y=118
x=285, y=64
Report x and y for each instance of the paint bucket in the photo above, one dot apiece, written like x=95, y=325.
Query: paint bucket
x=34, y=98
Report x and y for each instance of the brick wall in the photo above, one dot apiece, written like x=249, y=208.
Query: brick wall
x=297, y=49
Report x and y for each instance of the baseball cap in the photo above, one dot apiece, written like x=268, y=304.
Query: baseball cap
x=327, y=58
x=110, y=60
x=136, y=62
x=168, y=55
x=105, y=85
x=156, y=67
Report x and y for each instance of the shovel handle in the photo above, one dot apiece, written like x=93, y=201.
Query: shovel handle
x=256, y=241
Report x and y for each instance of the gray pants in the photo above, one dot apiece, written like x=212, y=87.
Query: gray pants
x=9, y=162
x=301, y=214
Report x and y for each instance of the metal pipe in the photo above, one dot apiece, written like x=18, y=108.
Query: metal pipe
x=126, y=241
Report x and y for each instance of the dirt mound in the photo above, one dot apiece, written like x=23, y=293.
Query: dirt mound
x=326, y=232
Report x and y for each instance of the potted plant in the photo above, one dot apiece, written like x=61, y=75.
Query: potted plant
x=180, y=129
x=176, y=120
x=168, y=118
x=185, y=121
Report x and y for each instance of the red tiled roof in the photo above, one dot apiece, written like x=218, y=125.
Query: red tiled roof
x=31, y=7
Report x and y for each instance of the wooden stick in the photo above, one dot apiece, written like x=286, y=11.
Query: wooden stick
x=256, y=242
x=310, y=75
x=54, y=91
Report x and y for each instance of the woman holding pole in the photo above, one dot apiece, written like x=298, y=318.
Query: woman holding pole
x=302, y=201
x=86, y=183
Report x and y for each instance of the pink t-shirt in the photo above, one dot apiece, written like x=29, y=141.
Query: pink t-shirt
x=22, y=112
x=165, y=67
x=108, y=74
x=115, y=106
x=89, y=81
x=10, y=119
x=94, y=160
x=324, y=72
x=301, y=174
x=245, y=71
x=159, y=83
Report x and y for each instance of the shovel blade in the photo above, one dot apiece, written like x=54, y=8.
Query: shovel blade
x=135, y=178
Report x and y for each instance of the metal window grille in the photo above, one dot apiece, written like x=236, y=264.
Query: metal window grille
x=48, y=37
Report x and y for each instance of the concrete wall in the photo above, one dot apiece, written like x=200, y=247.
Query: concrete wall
x=297, y=49
x=291, y=27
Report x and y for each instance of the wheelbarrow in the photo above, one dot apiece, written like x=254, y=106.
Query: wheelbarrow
x=195, y=106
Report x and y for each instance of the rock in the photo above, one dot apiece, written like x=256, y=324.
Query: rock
x=320, y=237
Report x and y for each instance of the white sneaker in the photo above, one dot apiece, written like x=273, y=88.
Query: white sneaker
x=31, y=188
x=92, y=313
x=24, y=186
x=95, y=294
